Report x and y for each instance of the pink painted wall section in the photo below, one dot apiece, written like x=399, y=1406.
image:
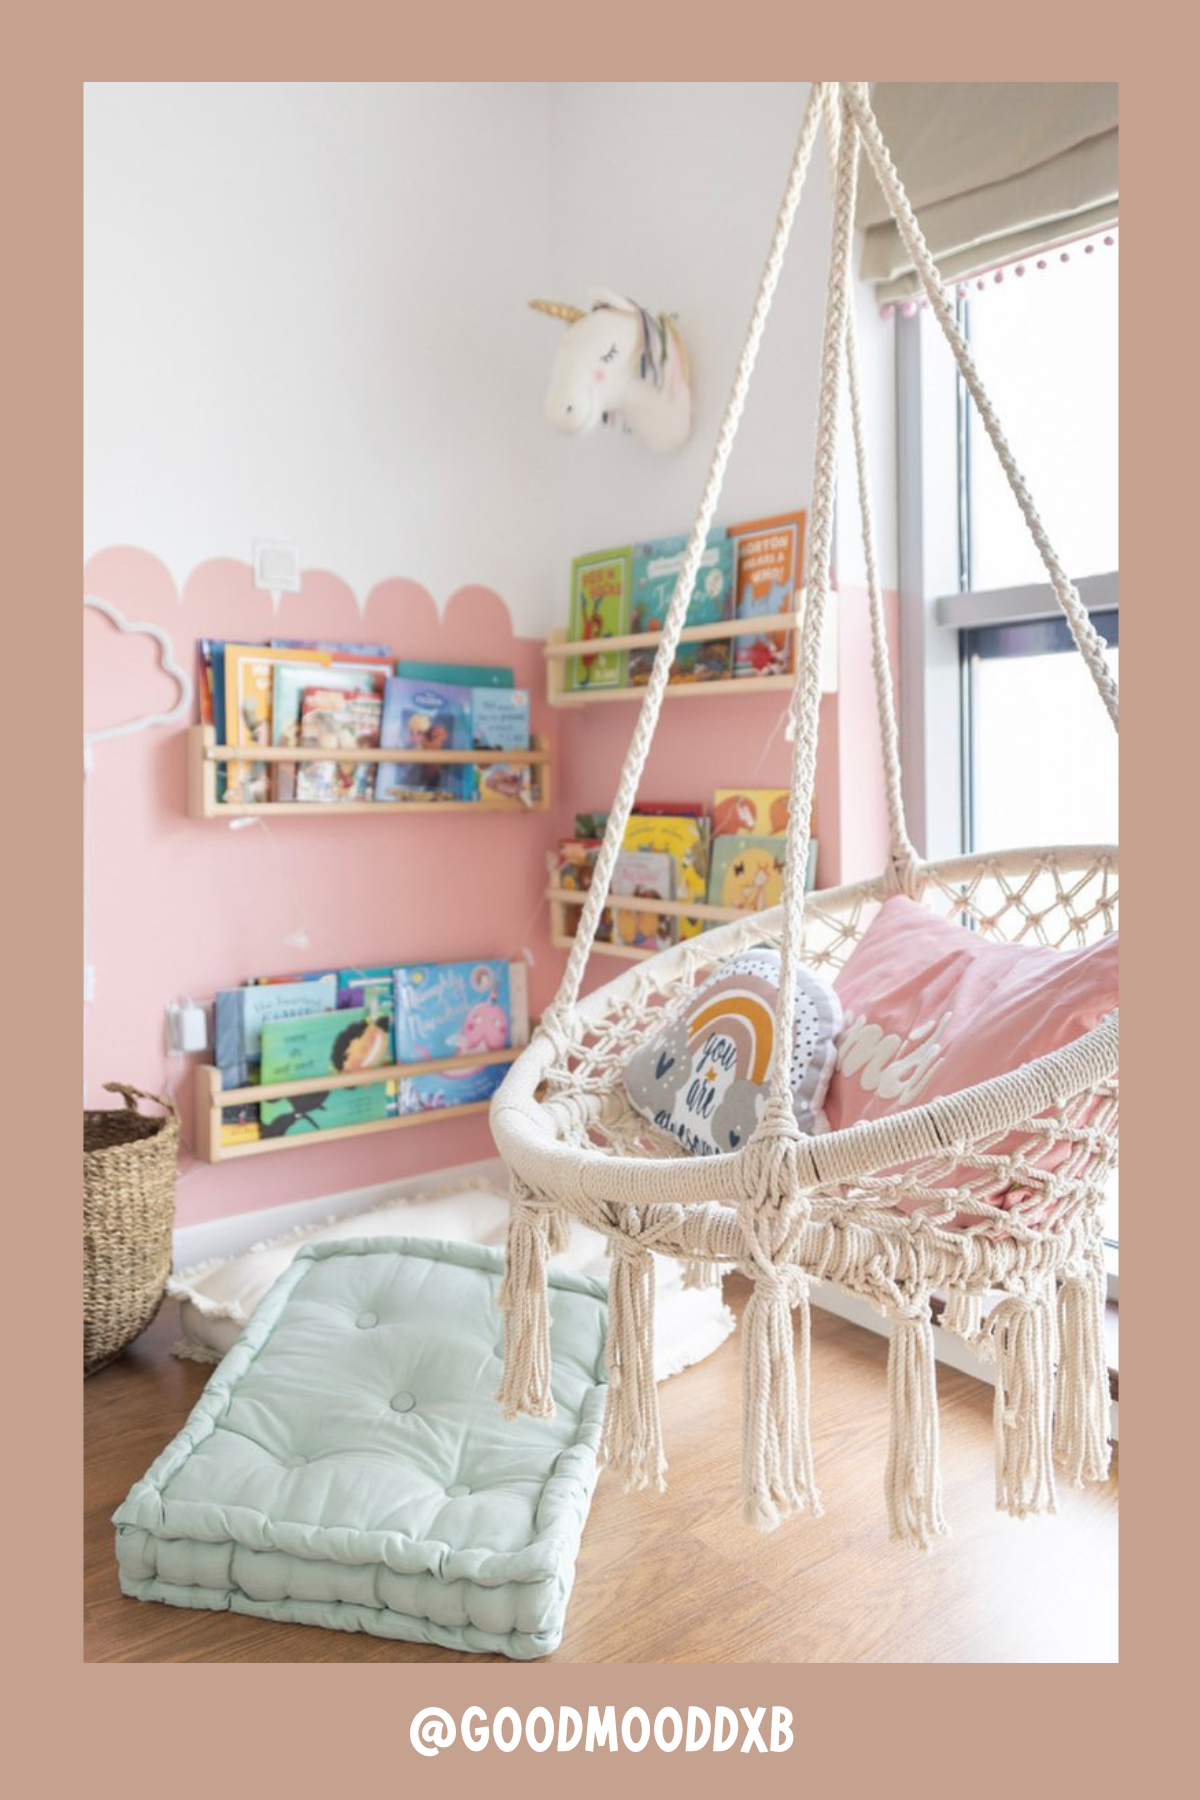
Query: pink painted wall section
x=176, y=906
x=180, y=907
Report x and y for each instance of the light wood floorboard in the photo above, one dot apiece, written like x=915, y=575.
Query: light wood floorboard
x=676, y=1577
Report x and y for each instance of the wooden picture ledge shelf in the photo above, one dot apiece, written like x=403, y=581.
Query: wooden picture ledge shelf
x=204, y=754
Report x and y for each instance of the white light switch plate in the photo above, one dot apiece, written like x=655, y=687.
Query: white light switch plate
x=277, y=568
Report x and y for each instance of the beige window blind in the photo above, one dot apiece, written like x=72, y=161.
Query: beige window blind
x=994, y=169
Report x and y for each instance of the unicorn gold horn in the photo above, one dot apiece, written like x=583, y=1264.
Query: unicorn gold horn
x=558, y=309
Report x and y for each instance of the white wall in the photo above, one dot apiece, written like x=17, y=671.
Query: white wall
x=305, y=319
x=669, y=192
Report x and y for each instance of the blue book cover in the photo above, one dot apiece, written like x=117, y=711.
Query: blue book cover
x=472, y=675
x=500, y=721
x=240, y=1014
x=336, y=1043
x=419, y=715
x=450, y=1087
x=447, y=1009
x=656, y=569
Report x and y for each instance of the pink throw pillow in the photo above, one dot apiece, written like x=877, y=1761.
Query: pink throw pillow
x=932, y=1008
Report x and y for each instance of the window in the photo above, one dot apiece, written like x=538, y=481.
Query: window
x=983, y=642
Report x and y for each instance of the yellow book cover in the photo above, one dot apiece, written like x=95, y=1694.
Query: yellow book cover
x=249, y=680
x=686, y=841
x=754, y=812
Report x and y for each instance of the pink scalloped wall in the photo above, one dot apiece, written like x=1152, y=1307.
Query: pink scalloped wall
x=182, y=907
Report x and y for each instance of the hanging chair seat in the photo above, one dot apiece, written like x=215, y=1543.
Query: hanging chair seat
x=991, y=1198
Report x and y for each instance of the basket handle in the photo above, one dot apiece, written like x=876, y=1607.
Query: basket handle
x=132, y=1095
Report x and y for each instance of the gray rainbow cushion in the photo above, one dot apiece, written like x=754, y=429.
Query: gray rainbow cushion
x=347, y=1465
x=703, y=1078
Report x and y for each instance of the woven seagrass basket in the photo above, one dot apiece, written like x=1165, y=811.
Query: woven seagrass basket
x=128, y=1214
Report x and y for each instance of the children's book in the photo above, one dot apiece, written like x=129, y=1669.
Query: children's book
x=374, y=989
x=238, y=1018
x=747, y=872
x=336, y=1043
x=450, y=1087
x=770, y=565
x=656, y=569
x=204, y=679
x=686, y=840
x=472, y=675
x=759, y=812
x=600, y=601
x=576, y=860
x=459, y=1008
x=292, y=680
x=421, y=716
x=592, y=824
x=332, y=647
x=298, y=975
x=334, y=719
x=647, y=875
x=500, y=721
x=249, y=685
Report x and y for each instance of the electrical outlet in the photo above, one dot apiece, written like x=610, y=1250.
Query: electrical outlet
x=187, y=1028
x=277, y=568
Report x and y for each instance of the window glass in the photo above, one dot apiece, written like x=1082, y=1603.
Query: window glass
x=1046, y=349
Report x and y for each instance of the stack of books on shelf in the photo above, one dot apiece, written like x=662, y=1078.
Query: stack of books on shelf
x=319, y=695
x=746, y=572
x=678, y=851
x=296, y=1028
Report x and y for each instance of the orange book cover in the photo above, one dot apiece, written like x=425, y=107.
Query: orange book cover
x=767, y=579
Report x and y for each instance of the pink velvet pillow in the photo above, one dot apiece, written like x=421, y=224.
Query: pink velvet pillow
x=931, y=1008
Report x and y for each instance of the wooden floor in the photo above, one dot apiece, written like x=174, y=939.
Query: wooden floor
x=676, y=1577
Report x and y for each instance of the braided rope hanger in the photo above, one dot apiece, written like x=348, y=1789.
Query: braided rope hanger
x=849, y=121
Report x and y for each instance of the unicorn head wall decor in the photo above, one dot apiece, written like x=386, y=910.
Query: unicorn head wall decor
x=619, y=363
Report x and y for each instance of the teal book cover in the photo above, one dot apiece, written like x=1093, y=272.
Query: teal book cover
x=339, y=1043
x=473, y=675
x=656, y=569
x=500, y=721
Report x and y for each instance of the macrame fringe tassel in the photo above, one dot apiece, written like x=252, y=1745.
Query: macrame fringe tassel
x=1023, y=1334
x=698, y=1275
x=778, y=1481
x=963, y=1314
x=1081, y=1417
x=914, y=1469
x=533, y=1234
x=631, y=1441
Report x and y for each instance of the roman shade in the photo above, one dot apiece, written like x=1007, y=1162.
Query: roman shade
x=995, y=169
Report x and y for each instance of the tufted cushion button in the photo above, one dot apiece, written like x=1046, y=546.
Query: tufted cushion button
x=365, y=1321
x=457, y=1492
x=402, y=1403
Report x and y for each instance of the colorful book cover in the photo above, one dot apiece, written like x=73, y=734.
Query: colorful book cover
x=646, y=875
x=332, y=647
x=687, y=841
x=472, y=675
x=457, y=1008
x=747, y=872
x=450, y=1087
x=656, y=569
x=336, y=1043
x=291, y=682
x=593, y=824
x=757, y=812
x=574, y=865
x=374, y=989
x=297, y=975
x=770, y=565
x=600, y=602
x=420, y=716
x=249, y=687
x=500, y=721
x=204, y=679
x=238, y=1018
x=337, y=719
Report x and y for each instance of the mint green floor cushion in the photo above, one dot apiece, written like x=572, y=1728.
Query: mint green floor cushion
x=347, y=1465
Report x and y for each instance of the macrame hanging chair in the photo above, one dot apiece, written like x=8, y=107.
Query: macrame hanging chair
x=787, y=1209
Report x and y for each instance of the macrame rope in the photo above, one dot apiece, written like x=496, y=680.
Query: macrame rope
x=904, y=861
x=639, y=748
x=806, y=695
x=1087, y=639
